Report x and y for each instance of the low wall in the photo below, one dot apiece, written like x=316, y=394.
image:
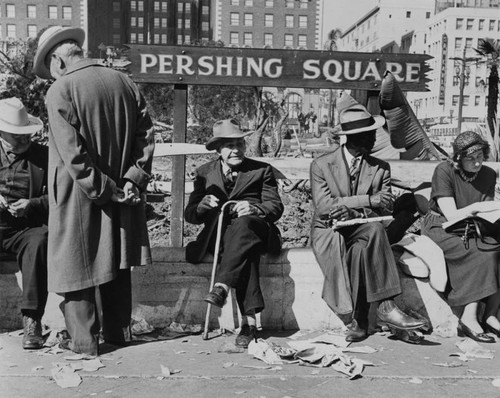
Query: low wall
x=173, y=290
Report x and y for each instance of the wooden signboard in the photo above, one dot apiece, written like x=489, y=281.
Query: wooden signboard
x=275, y=68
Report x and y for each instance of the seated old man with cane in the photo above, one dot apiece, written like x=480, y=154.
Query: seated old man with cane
x=24, y=210
x=248, y=229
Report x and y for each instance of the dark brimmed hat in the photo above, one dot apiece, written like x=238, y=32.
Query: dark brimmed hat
x=223, y=130
x=48, y=40
x=354, y=118
x=466, y=143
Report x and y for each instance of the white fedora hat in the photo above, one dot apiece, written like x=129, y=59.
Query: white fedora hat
x=48, y=40
x=225, y=129
x=354, y=118
x=15, y=120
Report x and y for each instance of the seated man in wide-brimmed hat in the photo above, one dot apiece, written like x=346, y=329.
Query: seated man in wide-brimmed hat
x=357, y=260
x=248, y=229
x=24, y=210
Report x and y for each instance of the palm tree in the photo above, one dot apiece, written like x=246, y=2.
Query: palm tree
x=490, y=49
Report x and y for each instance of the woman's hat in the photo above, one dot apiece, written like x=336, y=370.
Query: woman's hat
x=225, y=129
x=15, y=120
x=466, y=143
x=48, y=40
x=354, y=118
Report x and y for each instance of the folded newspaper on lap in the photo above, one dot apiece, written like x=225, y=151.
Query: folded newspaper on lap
x=491, y=216
x=355, y=221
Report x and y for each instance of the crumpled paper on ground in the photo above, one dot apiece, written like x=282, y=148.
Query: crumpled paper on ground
x=65, y=376
x=473, y=350
x=262, y=350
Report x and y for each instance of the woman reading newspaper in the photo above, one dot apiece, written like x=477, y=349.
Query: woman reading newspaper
x=464, y=187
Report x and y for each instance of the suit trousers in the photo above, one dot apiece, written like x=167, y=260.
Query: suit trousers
x=30, y=248
x=371, y=262
x=106, y=308
x=243, y=242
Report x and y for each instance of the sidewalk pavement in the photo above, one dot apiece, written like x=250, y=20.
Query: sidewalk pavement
x=197, y=369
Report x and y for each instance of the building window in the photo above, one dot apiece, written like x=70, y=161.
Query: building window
x=205, y=26
x=234, y=38
x=164, y=22
x=456, y=80
x=11, y=31
x=52, y=12
x=187, y=24
x=269, y=3
x=179, y=23
x=116, y=6
x=427, y=15
x=179, y=39
x=156, y=8
x=458, y=43
x=235, y=19
x=248, y=19
x=187, y=39
x=140, y=37
x=10, y=11
x=302, y=41
x=466, y=100
x=116, y=23
x=163, y=38
x=156, y=38
x=288, y=40
x=303, y=21
x=470, y=24
x=163, y=7
x=188, y=10
x=133, y=22
x=408, y=14
x=133, y=38
x=248, y=39
x=468, y=42
x=492, y=24
x=268, y=39
x=289, y=21
x=477, y=100
x=140, y=23
x=481, y=24
x=32, y=31
x=303, y=3
x=156, y=24
x=248, y=3
x=140, y=7
x=460, y=23
x=235, y=2
x=268, y=20
x=293, y=105
x=205, y=10
x=289, y=3
x=31, y=12
x=454, y=100
x=133, y=7
x=116, y=39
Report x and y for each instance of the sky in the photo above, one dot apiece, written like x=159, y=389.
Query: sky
x=342, y=14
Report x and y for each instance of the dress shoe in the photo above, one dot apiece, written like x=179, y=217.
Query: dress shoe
x=399, y=320
x=465, y=331
x=354, y=332
x=490, y=329
x=217, y=296
x=246, y=335
x=32, y=338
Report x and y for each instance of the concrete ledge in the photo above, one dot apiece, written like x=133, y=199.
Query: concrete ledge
x=173, y=290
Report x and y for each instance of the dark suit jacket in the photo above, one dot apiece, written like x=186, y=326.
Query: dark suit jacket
x=331, y=186
x=255, y=183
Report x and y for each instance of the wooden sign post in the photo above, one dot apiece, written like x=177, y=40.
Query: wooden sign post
x=185, y=65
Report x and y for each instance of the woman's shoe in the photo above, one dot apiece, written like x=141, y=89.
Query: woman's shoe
x=490, y=329
x=465, y=331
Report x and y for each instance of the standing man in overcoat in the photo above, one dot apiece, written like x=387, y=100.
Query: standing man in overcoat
x=248, y=230
x=357, y=261
x=100, y=156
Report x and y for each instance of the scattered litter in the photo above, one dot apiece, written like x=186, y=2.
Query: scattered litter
x=496, y=382
x=229, y=364
x=256, y=367
x=36, y=368
x=180, y=352
x=447, y=329
x=461, y=356
x=204, y=352
x=140, y=326
x=472, y=371
x=415, y=380
x=165, y=371
x=92, y=365
x=239, y=392
x=52, y=339
x=78, y=357
x=448, y=364
x=230, y=348
x=263, y=351
x=160, y=378
x=360, y=350
x=329, y=338
x=66, y=377
x=111, y=377
x=473, y=350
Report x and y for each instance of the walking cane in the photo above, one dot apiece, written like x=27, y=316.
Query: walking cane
x=216, y=260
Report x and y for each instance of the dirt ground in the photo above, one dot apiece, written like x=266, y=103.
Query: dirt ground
x=294, y=224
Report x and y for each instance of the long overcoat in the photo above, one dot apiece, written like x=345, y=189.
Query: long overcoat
x=100, y=132
x=331, y=186
x=255, y=183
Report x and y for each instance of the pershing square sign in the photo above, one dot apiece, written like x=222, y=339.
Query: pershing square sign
x=275, y=68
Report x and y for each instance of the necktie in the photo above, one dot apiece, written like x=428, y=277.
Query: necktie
x=353, y=169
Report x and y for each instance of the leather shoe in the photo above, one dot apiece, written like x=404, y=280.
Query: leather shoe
x=217, y=296
x=354, y=332
x=465, y=331
x=490, y=329
x=32, y=338
x=246, y=335
x=399, y=320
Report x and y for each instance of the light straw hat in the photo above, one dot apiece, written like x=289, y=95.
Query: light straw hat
x=15, y=120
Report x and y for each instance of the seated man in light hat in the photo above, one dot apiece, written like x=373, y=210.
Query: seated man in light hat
x=24, y=210
x=357, y=260
x=248, y=229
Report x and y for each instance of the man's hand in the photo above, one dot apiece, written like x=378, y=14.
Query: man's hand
x=382, y=200
x=19, y=208
x=208, y=203
x=244, y=208
x=341, y=213
x=3, y=203
x=129, y=195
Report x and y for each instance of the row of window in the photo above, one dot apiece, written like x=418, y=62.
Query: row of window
x=158, y=23
x=160, y=7
x=477, y=100
x=268, y=20
x=31, y=11
x=11, y=31
x=270, y=3
x=481, y=24
x=459, y=43
x=248, y=39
